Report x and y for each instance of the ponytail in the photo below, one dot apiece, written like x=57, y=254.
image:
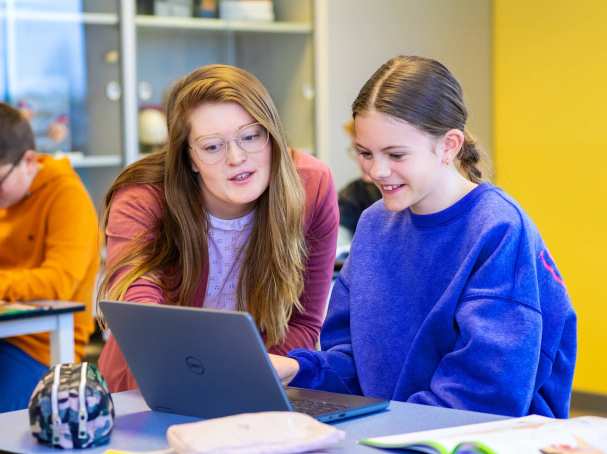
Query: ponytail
x=469, y=157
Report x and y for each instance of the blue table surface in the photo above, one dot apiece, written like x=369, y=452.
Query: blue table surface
x=138, y=428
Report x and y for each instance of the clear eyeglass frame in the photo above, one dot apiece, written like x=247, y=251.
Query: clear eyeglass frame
x=251, y=138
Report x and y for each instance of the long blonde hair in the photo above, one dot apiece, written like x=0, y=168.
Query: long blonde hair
x=271, y=279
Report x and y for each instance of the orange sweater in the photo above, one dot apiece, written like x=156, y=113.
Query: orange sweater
x=49, y=249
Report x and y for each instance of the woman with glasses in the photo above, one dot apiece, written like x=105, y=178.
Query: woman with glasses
x=226, y=216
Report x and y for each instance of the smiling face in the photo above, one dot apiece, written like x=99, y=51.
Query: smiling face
x=232, y=184
x=406, y=163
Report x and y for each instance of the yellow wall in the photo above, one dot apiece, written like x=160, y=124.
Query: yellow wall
x=550, y=148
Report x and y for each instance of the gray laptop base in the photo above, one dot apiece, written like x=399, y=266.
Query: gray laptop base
x=209, y=363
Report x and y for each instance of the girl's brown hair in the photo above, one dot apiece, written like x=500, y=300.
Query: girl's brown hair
x=271, y=279
x=425, y=94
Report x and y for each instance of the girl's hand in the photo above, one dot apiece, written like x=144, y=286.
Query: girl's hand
x=286, y=368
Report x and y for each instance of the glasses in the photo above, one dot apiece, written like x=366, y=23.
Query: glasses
x=249, y=138
x=8, y=174
x=352, y=152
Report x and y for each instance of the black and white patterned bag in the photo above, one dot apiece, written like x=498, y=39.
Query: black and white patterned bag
x=71, y=407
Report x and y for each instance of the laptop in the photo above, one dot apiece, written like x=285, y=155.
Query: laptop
x=209, y=363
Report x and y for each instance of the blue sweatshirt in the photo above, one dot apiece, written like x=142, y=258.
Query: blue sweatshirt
x=463, y=308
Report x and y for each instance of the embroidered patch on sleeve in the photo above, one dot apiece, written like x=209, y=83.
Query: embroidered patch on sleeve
x=548, y=263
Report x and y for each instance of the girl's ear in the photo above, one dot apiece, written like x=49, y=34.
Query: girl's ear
x=452, y=142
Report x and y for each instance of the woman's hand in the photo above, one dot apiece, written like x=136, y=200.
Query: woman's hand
x=286, y=367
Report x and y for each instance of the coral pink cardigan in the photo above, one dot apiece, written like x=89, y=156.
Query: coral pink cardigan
x=134, y=211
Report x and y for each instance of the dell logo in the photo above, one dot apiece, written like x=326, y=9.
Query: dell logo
x=195, y=365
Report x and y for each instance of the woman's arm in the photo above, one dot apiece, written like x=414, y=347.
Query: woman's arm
x=133, y=214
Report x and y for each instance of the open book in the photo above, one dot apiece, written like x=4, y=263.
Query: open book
x=7, y=308
x=530, y=434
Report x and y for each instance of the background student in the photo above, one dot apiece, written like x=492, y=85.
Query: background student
x=449, y=296
x=355, y=197
x=225, y=217
x=48, y=250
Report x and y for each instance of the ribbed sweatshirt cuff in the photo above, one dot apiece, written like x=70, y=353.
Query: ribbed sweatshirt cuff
x=308, y=368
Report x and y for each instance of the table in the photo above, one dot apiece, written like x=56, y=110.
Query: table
x=138, y=428
x=54, y=316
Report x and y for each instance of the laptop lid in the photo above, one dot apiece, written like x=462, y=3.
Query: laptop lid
x=208, y=363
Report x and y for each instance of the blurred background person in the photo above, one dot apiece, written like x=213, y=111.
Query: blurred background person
x=48, y=250
x=353, y=199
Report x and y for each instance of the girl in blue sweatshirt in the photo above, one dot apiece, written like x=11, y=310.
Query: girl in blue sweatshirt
x=449, y=297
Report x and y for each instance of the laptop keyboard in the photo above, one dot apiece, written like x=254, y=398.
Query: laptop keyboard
x=316, y=407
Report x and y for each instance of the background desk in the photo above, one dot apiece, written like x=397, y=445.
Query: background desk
x=57, y=317
x=139, y=429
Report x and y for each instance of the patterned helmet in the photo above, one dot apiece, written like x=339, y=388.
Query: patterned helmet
x=71, y=407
